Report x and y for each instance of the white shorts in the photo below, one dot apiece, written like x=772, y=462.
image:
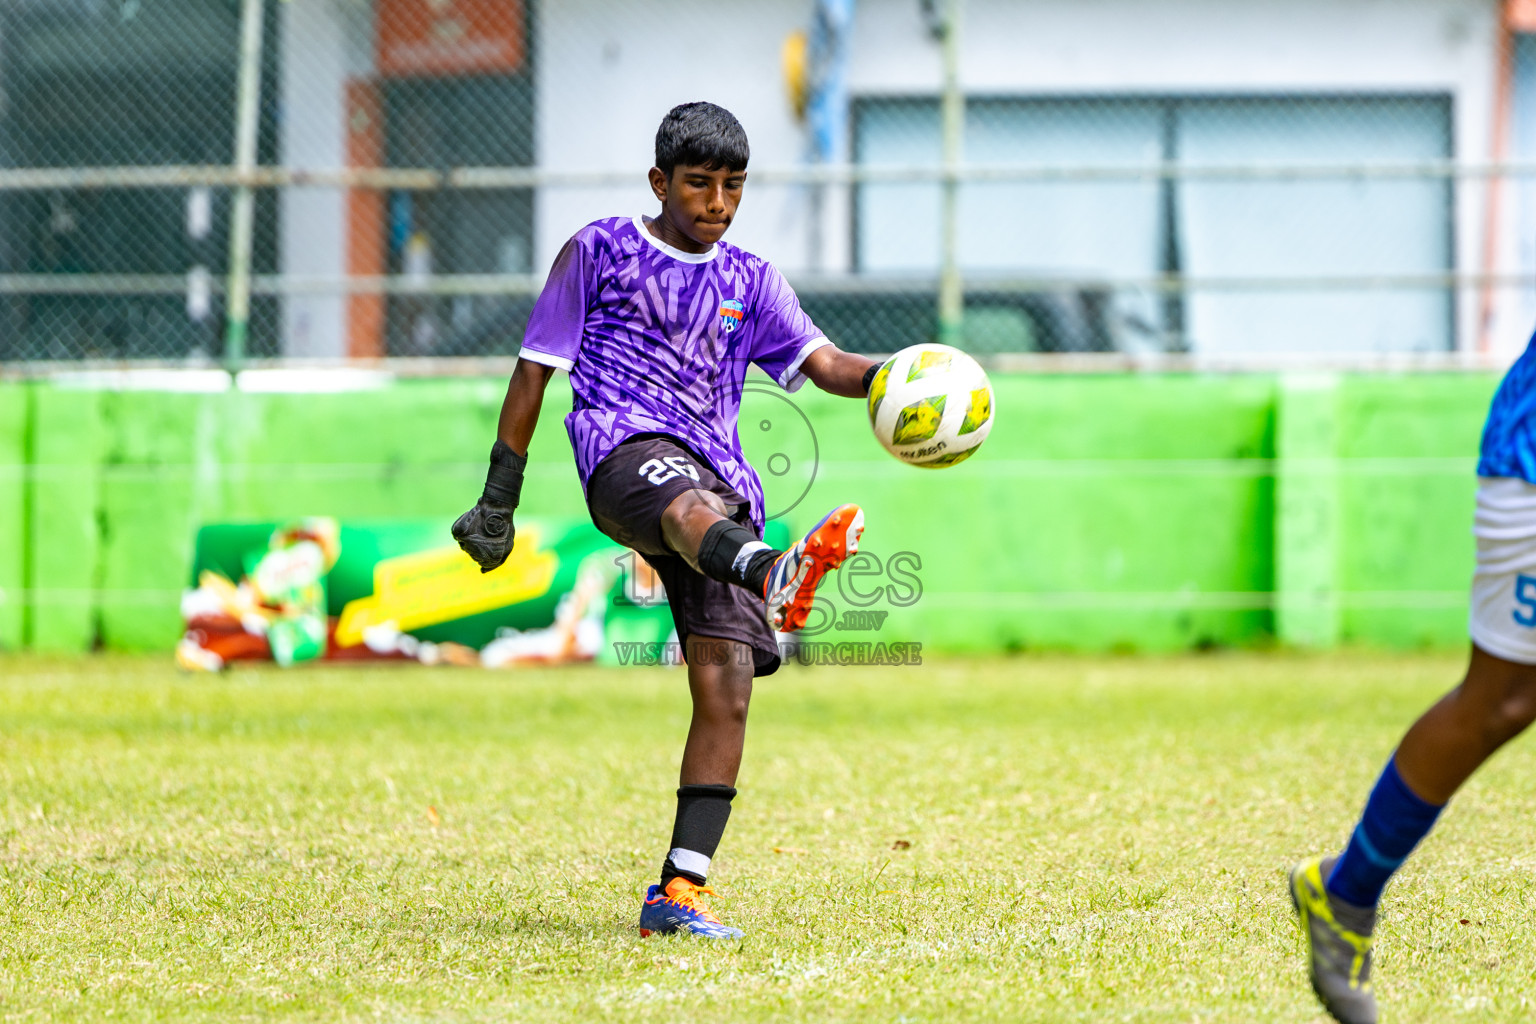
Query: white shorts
x=1503, y=620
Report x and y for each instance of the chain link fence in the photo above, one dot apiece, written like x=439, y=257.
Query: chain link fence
x=1304, y=180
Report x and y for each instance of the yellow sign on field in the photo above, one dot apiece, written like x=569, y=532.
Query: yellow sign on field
x=431, y=587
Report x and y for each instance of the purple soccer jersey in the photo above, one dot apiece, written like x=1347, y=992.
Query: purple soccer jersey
x=658, y=340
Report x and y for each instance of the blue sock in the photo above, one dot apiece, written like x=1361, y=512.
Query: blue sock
x=1394, y=821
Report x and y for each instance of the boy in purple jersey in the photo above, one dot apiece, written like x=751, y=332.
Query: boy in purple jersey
x=656, y=321
x=1336, y=896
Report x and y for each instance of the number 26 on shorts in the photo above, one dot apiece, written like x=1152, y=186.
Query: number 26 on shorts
x=659, y=471
x=1525, y=597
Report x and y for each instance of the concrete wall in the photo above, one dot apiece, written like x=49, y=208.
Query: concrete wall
x=609, y=70
x=1274, y=47
x=14, y=457
x=1008, y=48
x=631, y=73
x=1105, y=513
x=325, y=43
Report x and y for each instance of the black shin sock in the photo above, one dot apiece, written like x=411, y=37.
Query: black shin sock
x=731, y=553
x=702, y=812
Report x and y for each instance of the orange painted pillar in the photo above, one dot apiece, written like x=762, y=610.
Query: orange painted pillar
x=366, y=226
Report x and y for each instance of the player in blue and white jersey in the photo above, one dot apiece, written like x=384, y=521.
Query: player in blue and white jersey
x=1336, y=897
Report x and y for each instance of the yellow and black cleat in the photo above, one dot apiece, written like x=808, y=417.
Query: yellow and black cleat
x=1338, y=938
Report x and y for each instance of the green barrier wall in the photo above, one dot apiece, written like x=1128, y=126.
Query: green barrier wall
x=1105, y=513
x=15, y=411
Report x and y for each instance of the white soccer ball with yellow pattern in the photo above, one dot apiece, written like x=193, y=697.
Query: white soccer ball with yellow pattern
x=931, y=405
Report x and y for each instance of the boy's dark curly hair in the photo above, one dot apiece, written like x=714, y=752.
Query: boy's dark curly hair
x=701, y=134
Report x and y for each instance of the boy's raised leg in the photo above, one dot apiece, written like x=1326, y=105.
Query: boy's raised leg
x=695, y=526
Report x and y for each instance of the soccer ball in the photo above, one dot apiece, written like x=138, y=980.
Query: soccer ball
x=931, y=405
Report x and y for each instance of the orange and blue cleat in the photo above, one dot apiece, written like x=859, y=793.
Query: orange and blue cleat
x=677, y=908
x=791, y=586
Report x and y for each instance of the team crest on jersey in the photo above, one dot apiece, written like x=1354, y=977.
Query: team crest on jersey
x=731, y=315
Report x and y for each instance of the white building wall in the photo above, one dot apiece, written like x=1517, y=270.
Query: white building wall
x=1194, y=45
x=609, y=69
x=326, y=42
x=1216, y=46
x=608, y=77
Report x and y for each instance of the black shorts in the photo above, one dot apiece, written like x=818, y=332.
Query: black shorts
x=626, y=495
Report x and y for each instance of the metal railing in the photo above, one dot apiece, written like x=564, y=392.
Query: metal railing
x=95, y=272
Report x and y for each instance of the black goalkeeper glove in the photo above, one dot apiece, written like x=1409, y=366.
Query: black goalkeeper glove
x=485, y=532
x=869, y=377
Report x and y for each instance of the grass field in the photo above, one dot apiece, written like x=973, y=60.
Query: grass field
x=1034, y=839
